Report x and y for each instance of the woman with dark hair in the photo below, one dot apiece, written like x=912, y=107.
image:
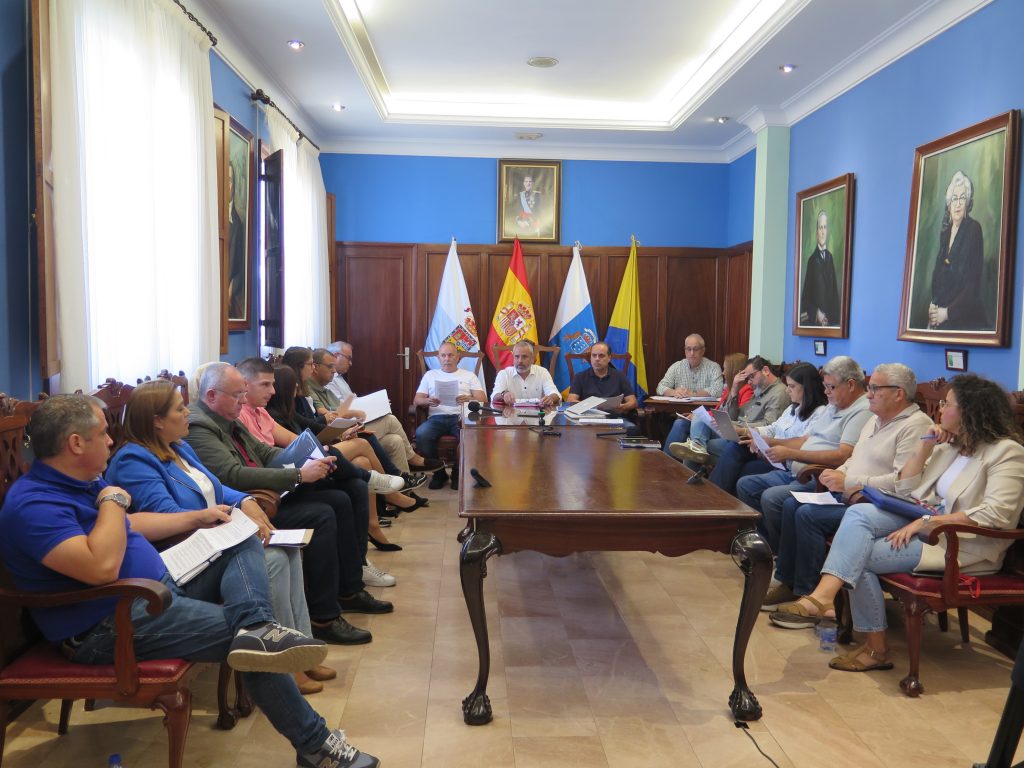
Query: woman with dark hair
x=806, y=392
x=165, y=478
x=281, y=407
x=970, y=468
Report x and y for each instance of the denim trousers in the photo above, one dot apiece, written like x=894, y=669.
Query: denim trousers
x=433, y=429
x=735, y=462
x=804, y=531
x=859, y=552
x=320, y=560
x=199, y=625
x=287, y=598
x=768, y=492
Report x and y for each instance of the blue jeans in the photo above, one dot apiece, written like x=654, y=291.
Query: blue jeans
x=859, y=552
x=804, y=532
x=735, y=462
x=197, y=628
x=679, y=433
x=433, y=429
x=768, y=492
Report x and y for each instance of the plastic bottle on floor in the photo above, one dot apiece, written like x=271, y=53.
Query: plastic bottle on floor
x=114, y=761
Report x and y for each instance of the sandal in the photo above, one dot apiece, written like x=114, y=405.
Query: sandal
x=795, y=616
x=849, y=662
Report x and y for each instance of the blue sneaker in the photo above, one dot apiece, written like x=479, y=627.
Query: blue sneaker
x=273, y=648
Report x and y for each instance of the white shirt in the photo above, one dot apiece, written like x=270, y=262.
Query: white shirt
x=205, y=486
x=340, y=387
x=468, y=383
x=535, y=386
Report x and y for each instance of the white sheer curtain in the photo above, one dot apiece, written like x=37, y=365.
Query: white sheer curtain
x=306, y=292
x=135, y=188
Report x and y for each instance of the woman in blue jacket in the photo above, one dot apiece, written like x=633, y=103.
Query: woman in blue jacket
x=179, y=495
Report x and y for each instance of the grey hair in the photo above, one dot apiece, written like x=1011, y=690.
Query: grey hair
x=193, y=383
x=695, y=336
x=525, y=343
x=213, y=376
x=818, y=217
x=960, y=179
x=58, y=418
x=844, y=368
x=335, y=347
x=901, y=376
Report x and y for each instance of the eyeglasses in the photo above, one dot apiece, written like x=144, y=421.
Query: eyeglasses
x=347, y=357
x=948, y=404
x=958, y=199
x=832, y=387
x=873, y=388
x=692, y=349
x=232, y=395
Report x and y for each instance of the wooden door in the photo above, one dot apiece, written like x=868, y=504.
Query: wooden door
x=374, y=314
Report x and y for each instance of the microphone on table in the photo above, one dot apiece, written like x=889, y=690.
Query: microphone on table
x=481, y=481
x=476, y=407
x=699, y=476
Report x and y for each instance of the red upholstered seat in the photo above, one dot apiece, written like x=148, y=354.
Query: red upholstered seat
x=995, y=585
x=44, y=662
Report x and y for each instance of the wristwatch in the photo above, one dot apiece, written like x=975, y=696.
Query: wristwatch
x=117, y=497
x=926, y=519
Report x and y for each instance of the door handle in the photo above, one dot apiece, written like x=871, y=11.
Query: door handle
x=405, y=356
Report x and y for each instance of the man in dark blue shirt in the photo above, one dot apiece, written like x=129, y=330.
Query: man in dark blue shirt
x=62, y=527
x=602, y=379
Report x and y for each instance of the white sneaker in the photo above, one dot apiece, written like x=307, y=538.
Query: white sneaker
x=375, y=577
x=385, y=484
x=689, y=451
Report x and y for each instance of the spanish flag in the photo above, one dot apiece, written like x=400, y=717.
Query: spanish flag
x=514, y=318
x=625, y=331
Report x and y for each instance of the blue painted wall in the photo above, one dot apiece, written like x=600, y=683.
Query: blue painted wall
x=231, y=94
x=430, y=199
x=19, y=362
x=966, y=75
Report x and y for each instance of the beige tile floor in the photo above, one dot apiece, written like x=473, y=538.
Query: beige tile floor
x=604, y=659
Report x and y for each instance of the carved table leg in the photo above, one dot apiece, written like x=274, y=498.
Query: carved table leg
x=754, y=557
x=476, y=548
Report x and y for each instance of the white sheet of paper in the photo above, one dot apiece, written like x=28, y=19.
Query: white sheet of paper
x=762, y=447
x=585, y=405
x=190, y=557
x=702, y=414
x=374, y=405
x=287, y=537
x=805, y=497
x=447, y=391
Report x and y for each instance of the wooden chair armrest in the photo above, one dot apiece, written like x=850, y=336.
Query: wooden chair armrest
x=951, y=574
x=153, y=592
x=811, y=472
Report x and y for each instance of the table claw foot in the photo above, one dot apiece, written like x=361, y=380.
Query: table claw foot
x=743, y=704
x=476, y=709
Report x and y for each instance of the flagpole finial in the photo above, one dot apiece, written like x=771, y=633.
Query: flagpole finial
x=578, y=245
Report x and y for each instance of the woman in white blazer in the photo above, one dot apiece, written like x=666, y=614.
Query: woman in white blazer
x=970, y=468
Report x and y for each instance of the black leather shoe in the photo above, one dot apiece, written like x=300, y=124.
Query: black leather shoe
x=428, y=465
x=413, y=480
x=363, y=602
x=438, y=480
x=340, y=632
x=455, y=479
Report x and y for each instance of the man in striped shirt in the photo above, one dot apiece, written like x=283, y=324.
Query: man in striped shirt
x=693, y=376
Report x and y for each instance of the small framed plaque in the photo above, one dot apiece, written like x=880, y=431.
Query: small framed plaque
x=820, y=346
x=956, y=359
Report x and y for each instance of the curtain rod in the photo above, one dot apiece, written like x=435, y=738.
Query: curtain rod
x=197, y=22
x=261, y=96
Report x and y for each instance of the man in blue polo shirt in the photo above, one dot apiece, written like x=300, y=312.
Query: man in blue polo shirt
x=602, y=379
x=62, y=527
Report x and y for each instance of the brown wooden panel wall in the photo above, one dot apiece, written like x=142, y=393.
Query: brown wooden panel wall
x=682, y=290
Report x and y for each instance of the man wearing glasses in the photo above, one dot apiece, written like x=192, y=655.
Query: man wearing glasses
x=694, y=376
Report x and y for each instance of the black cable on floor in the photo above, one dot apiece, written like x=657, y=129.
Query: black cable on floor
x=743, y=726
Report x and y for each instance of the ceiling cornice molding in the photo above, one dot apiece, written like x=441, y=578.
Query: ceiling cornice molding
x=914, y=31
x=758, y=118
x=367, y=145
x=237, y=57
x=665, y=114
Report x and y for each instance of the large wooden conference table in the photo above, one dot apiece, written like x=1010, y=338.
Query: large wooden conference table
x=579, y=493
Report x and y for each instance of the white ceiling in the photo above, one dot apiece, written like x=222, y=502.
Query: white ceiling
x=635, y=81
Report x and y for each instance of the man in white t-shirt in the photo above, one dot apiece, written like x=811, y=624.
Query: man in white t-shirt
x=445, y=407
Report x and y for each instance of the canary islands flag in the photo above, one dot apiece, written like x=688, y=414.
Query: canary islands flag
x=453, y=317
x=514, y=318
x=625, y=331
x=574, y=329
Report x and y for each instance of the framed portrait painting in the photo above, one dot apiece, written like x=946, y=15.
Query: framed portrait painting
x=529, y=200
x=824, y=247
x=958, y=277
x=235, y=184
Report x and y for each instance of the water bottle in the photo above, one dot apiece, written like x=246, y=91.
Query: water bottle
x=827, y=635
x=114, y=761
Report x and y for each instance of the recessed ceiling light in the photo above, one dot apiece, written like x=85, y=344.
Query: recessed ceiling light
x=337, y=106
x=544, y=62
x=528, y=136
x=296, y=45
x=721, y=120
x=787, y=68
